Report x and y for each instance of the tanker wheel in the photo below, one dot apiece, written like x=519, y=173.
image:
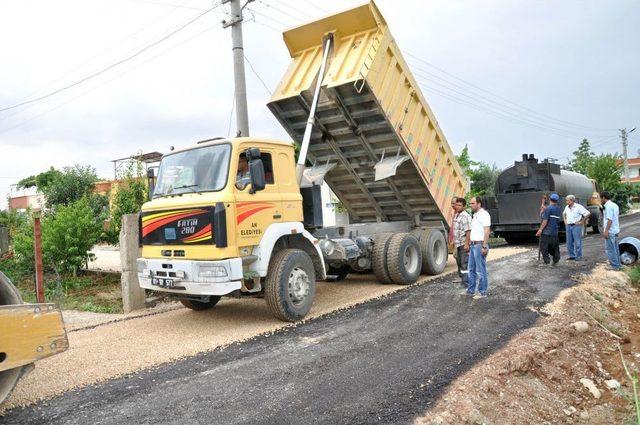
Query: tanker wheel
x=404, y=259
x=290, y=285
x=379, y=257
x=8, y=378
x=200, y=305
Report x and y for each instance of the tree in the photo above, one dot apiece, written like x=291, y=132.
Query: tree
x=66, y=186
x=582, y=158
x=483, y=179
x=606, y=170
x=465, y=161
x=128, y=197
x=482, y=175
x=39, y=181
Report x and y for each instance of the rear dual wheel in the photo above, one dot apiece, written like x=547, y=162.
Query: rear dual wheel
x=396, y=258
x=433, y=247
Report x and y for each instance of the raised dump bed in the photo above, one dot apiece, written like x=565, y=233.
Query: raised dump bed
x=370, y=108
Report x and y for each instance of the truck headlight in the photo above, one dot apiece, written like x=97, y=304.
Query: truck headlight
x=212, y=271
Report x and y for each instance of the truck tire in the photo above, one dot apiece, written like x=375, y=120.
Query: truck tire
x=290, y=285
x=200, y=305
x=597, y=222
x=379, y=257
x=434, y=252
x=422, y=236
x=404, y=259
x=9, y=295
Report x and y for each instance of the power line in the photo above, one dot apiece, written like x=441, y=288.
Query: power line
x=157, y=3
x=257, y=75
x=90, y=59
x=115, y=64
x=499, y=107
x=296, y=9
x=283, y=12
x=272, y=19
x=316, y=6
x=503, y=98
x=107, y=81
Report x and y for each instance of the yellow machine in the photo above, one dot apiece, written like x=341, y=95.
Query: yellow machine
x=243, y=216
x=28, y=333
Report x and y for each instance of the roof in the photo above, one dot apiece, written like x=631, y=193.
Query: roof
x=634, y=161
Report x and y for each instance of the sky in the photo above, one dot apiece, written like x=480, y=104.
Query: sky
x=502, y=77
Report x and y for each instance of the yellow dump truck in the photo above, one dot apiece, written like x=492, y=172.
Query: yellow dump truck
x=28, y=333
x=242, y=216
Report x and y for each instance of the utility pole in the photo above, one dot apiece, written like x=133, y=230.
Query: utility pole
x=242, y=114
x=623, y=135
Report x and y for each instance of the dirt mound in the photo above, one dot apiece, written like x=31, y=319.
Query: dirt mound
x=561, y=371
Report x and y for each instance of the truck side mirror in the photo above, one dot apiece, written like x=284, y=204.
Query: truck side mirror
x=151, y=180
x=256, y=170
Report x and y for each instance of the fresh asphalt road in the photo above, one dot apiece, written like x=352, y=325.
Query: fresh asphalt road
x=384, y=361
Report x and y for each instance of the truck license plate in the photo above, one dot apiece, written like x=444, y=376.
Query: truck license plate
x=160, y=281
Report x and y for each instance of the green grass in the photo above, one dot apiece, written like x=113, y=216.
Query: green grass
x=96, y=292
x=634, y=275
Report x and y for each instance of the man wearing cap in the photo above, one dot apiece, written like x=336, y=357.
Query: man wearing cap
x=575, y=217
x=548, y=231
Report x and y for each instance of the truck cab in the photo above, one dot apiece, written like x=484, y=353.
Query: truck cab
x=218, y=213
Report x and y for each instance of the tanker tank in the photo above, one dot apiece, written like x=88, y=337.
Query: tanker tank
x=519, y=189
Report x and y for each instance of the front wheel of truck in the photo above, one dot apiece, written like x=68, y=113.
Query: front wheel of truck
x=200, y=305
x=290, y=285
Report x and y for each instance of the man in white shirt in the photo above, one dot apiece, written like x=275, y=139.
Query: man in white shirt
x=480, y=229
x=575, y=218
x=611, y=231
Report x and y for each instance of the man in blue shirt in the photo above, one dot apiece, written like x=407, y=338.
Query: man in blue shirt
x=611, y=231
x=548, y=231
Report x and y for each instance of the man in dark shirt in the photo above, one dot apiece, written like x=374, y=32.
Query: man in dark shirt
x=548, y=231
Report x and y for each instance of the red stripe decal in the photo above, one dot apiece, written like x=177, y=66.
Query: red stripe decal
x=242, y=217
x=206, y=229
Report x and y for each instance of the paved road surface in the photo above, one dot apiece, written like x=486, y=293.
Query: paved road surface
x=385, y=361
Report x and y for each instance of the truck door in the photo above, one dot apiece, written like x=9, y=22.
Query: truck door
x=256, y=211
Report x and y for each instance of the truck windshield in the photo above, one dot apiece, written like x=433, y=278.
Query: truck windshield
x=202, y=169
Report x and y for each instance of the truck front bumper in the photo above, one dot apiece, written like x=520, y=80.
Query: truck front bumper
x=190, y=277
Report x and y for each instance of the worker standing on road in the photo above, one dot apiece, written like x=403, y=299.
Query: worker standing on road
x=462, y=239
x=548, y=231
x=611, y=231
x=575, y=217
x=451, y=236
x=479, y=249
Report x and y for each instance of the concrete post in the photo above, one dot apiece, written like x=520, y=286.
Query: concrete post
x=133, y=296
x=4, y=240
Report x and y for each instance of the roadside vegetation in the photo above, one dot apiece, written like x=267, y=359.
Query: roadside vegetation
x=74, y=219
